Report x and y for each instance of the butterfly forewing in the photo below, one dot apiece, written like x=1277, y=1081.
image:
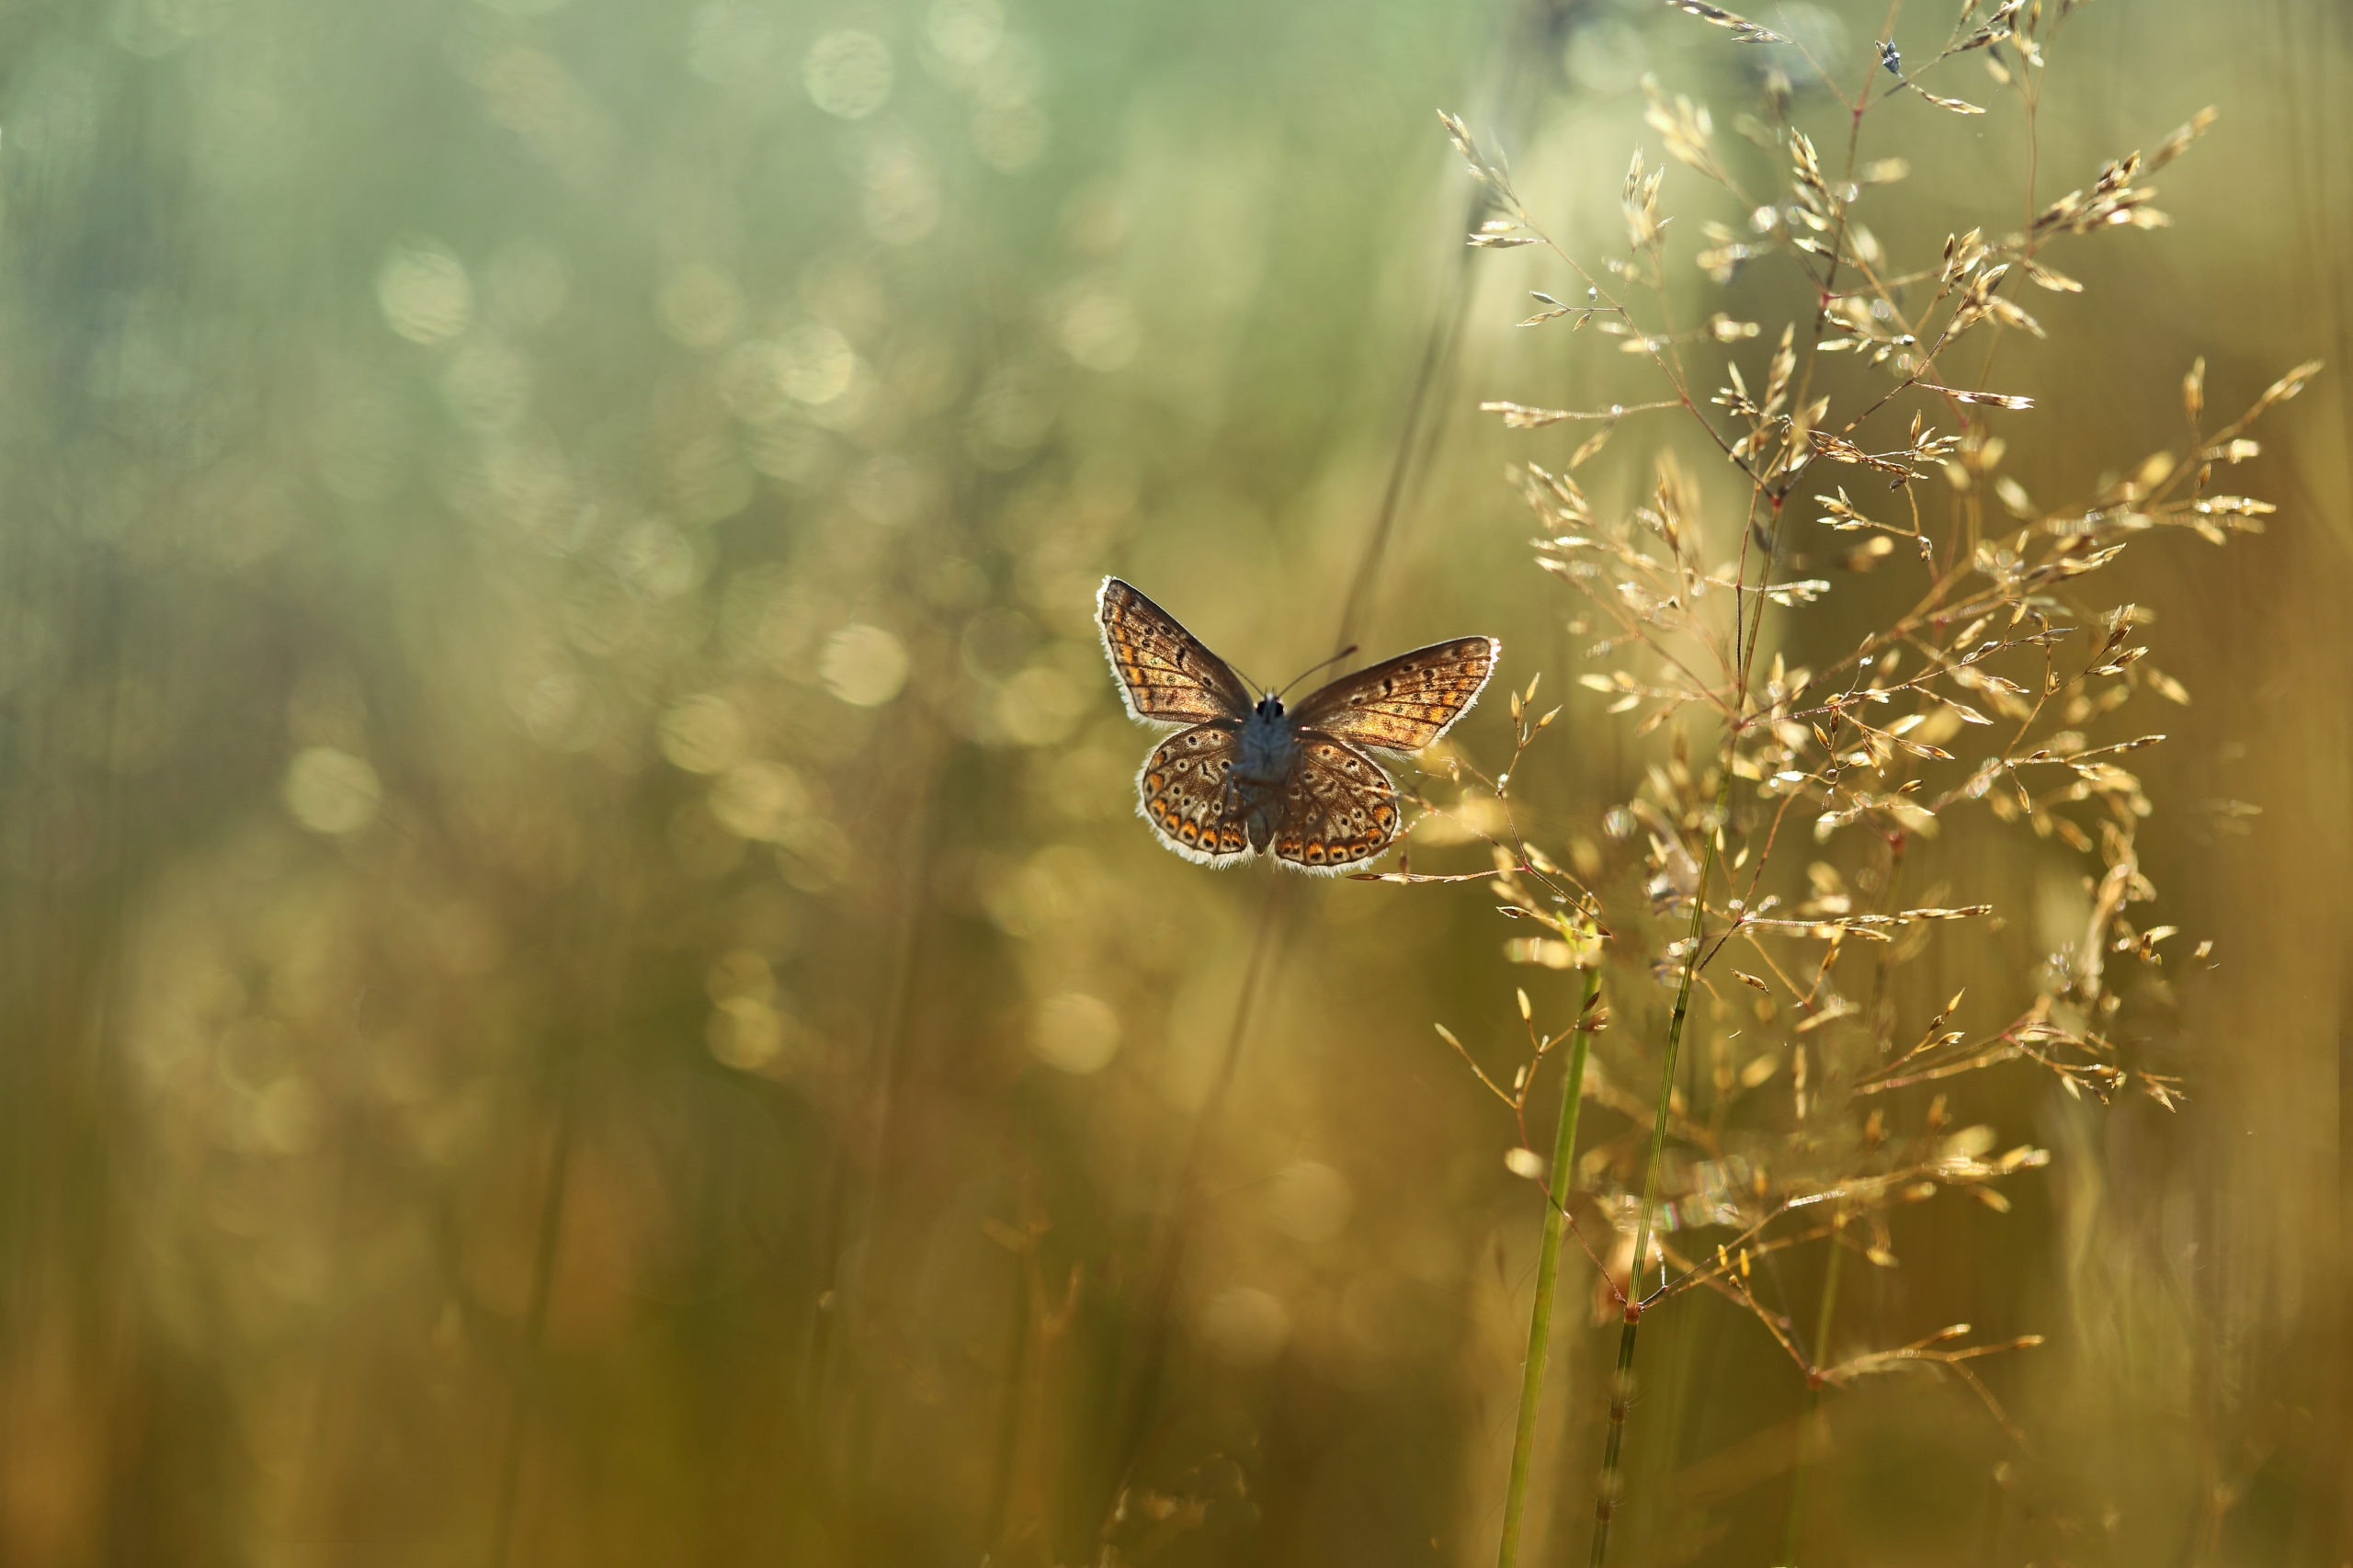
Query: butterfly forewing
x=1183, y=793
x=1165, y=673
x=1339, y=806
x=1403, y=704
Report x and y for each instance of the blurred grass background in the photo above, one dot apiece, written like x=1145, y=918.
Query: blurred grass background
x=579, y=982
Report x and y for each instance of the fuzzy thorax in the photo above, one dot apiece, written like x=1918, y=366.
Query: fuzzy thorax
x=1266, y=754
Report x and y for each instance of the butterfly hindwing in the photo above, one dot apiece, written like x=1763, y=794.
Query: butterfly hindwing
x=1166, y=674
x=1183, y=792
x=1403, y=704
x=1338, y=808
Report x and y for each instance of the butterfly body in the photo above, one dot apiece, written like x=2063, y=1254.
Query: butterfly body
x=1249, y=778
x=1265, y=757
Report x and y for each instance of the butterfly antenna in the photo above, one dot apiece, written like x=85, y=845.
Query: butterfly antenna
x=1313, y=668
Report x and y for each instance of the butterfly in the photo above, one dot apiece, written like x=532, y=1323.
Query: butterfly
x=1246, y=778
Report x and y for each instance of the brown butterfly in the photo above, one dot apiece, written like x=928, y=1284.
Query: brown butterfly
x=1246, y=778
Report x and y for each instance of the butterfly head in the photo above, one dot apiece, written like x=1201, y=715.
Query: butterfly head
x=1269, y=707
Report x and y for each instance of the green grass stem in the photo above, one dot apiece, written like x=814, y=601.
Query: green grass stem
x=1621, y=1388
x=1548, y=1272
x=1809, y=1424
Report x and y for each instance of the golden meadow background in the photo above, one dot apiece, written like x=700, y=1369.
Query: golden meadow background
x=580, y=980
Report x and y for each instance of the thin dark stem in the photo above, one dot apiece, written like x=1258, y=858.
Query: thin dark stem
x=1808, y=1433
x=1016, y=1362
x=1438, y=358
x=1622, y=1381
x=535, y=1318
x=1622, y=1394
x=1548, y=1272
x=1134, y=1420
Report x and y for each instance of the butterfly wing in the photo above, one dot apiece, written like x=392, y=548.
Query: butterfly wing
x=1166, y=674
x=1182, y=791
x=1338, y=808
x=1403, y=704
